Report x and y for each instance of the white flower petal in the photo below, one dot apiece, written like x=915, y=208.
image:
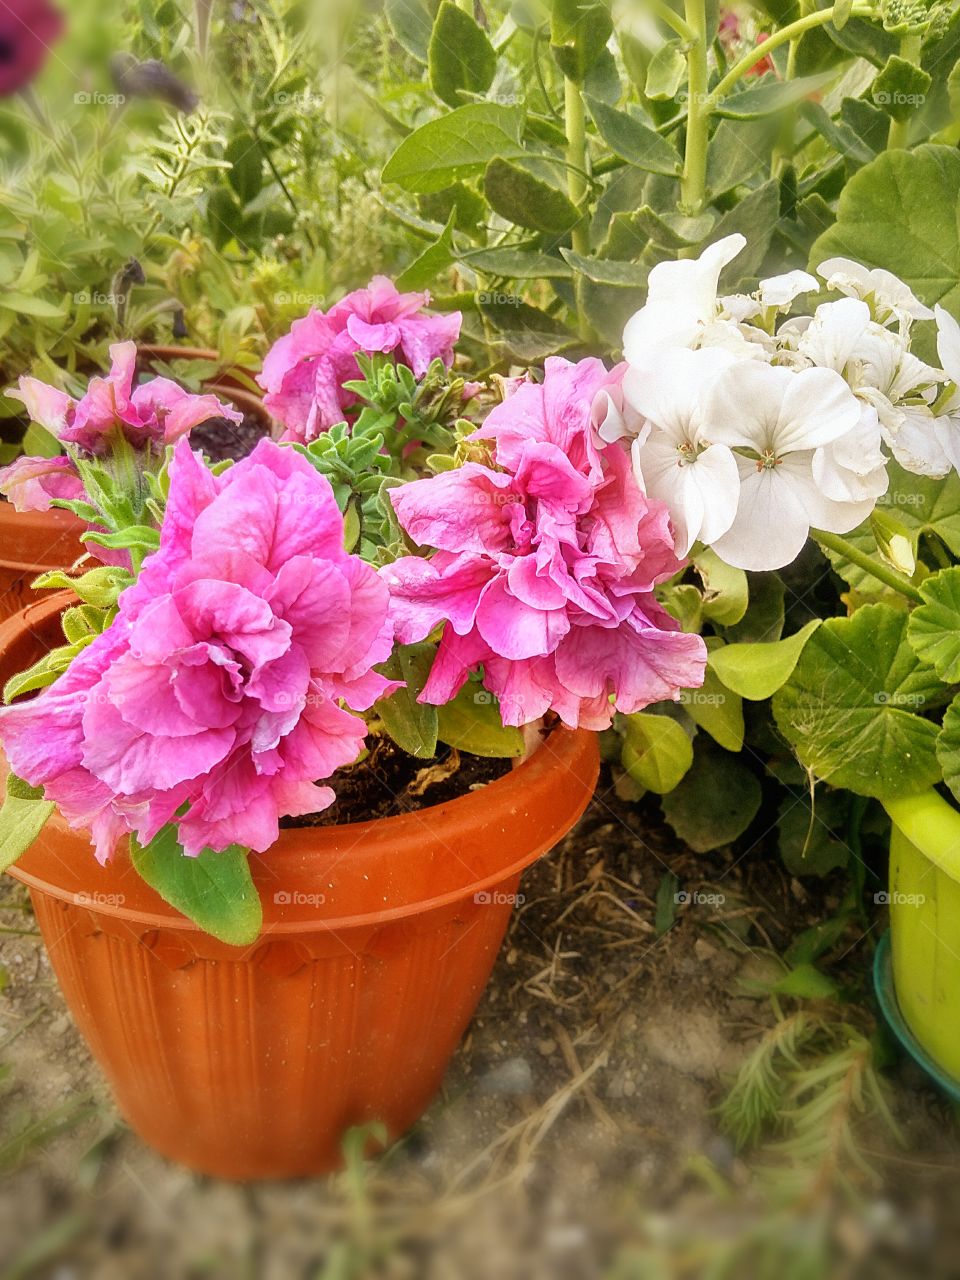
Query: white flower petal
x=771, y=524
x=765, y=407
x=917, y=445
x=834, y=333
x=668, y=391
x=780, y=291
x=948, y=344
x=892, y=296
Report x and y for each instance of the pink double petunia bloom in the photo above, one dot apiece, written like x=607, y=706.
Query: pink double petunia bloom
x=304, y=371
x=545, y=566
x=213, y=699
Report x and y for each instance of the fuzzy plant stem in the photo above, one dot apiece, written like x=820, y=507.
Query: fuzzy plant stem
x=693, y=183
x=575, y=127
x=900, y=129
x=889, y=577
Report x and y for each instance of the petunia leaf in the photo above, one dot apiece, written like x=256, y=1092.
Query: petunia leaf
x=852, y=707
x=22, y=816
x=411, y=724
x=472, y=722
x=214, y=890
x=656, y=751
x=715, y=802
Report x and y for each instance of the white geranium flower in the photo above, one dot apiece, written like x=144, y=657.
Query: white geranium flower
x=681, y=302
x=777, y=419
x=919, y=441
x=854, y=467
x=888, y=296
x=782, y=291
x=672, y=459
x=948, y=349
x=830, y=339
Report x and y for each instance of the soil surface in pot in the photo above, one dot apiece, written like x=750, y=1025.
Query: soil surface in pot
x=576, y=1137
x=389, y=781
x=221, y=439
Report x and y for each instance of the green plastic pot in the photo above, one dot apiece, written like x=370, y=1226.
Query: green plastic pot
x=925, y=923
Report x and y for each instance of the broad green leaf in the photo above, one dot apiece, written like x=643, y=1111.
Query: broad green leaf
x=810, y=843
x=716, y=709
x=634, y=141
x=517, y=264
x=715, y=802
x=673, y=230
x=606, y=271
x=246, y=167
x=899, y=212
x=844, y=140
x=756, y=216
x=25, y=304
x=763, y=620
x=853, y=707
x=738, y=149
x=526, y=201
x=38, y=440
x=656, y=751
x=471, y=722
x=434, y=259
x=22, y=815
x=411, y=724
x=579, y=31
x=948, y=748
x=666, y=72
x=770, y=96
x=725, y=592
x=215, y=890
x=459, y=144
x=900, y=88
x=934, y=626
x=411, y=23
x=460, y=56
x=757, y=671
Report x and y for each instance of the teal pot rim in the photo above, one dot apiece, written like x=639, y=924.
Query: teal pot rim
x=887, y=999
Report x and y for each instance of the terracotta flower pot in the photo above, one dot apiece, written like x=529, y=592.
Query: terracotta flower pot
x=379, y=938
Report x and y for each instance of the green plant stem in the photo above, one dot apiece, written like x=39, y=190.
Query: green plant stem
x=910, y=52
x=693, y=184
x=575, y=126
x=662, y=10
x=889, y=577
x=790, y=32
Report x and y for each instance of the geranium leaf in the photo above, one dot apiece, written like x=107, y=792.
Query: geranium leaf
x=656, y=751
x=725, y=592
x=809, y=845
x=22, y=815
x=917, y=236
x=756, y=671
x=934, y=626
x=715, y=802
x=716, y=709
x=851, y=708
x=215, y=890
x=948, y=747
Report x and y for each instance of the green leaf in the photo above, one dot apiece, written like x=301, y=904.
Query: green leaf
x=901, y=88
x=434, y=259
x=527, y=201
x=806, y=983
x=666, y=912
x=26, y=304
x=756, y=216
x=716, y=709
x=411, y=23
x=948, y=748
x=99, y=587
x=737, y=150
x=215, y=890
x=22, y=815
x=459, y=144
x=852, y=708
x=673, y=230
x=715, y=802
x=725, y=591
x=517, y=264
x=606, y=271
x=633, y=141
x=246, y=167
x=471, y=722
x=757, y=671
x=763, y=621
x=656, y=751
x=460, y=57
x=38, y=441
x=934, y=626
x=666, y=72
x=899, y=212
x=411, y=724
x=579, y=31
x=770, y=96
x=809, y=845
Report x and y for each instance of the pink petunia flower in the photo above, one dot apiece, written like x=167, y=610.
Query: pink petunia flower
x=304, y=371
x=27, y=30
x=155, y=412
x=31, y=484
x=213, y=699
x=545, y=568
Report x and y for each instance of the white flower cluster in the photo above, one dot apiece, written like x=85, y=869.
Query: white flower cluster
x=754, y=429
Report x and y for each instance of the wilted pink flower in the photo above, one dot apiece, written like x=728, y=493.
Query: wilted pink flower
x=544, y=570
x=216, y=689
x=304, y=371
x=27, y=30
x=155, y=412
x=31, y=484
